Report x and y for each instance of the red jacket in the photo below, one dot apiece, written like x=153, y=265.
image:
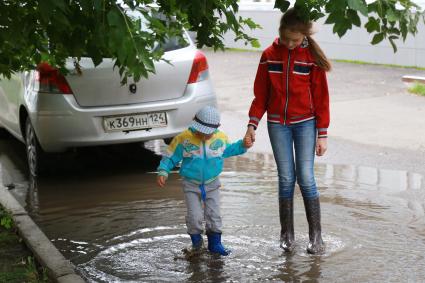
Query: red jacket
x=291, y=88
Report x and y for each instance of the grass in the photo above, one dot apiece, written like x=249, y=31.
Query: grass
x=417, y=88
x=242, y=50
x=377, y=64
x=16, y=261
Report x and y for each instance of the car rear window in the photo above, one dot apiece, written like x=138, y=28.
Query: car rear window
x=170, y=44
x=173, y=43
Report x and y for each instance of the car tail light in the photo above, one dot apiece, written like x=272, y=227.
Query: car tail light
x=51, y=80
x=199, y=70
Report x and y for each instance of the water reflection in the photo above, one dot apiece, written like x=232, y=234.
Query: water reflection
x=292, y=271
x=388, y=180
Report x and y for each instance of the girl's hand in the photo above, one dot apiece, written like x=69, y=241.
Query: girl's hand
x=249, y=136
x=161, y=181
x=321, y=146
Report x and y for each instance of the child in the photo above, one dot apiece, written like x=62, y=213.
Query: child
x=291, y=87
x=201, y=148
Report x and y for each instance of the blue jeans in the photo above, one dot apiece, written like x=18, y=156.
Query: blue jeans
x=301, y=139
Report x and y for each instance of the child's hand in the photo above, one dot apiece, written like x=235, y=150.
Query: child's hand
x=247, y=142
x=161, y=181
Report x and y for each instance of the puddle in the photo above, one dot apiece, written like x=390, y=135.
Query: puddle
x=106, y=214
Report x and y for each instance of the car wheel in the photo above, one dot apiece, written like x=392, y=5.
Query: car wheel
x=3, y=133
x=35, y=155
x=167, y=141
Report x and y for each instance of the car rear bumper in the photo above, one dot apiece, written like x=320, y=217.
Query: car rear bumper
x=60, y=123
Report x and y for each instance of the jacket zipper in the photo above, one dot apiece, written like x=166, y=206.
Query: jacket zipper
x=287, y=86
x=205, y=162
x=311, y=101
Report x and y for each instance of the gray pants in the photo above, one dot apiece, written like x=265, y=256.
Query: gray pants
x=198, y=210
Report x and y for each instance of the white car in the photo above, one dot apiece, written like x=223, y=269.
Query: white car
x=53, y=113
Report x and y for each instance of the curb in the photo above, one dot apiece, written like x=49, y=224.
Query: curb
x=410, y=79
x=59, y=269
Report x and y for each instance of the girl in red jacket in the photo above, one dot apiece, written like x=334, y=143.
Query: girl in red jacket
x=291, y=87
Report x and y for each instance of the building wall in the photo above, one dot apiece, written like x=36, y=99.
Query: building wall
x=354, y=45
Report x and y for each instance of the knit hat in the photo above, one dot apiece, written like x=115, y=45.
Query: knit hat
x=206, y=120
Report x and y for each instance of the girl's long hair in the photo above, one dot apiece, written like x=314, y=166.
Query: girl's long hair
x=290, y=20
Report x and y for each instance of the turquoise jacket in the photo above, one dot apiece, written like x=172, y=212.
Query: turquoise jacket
x=202, y=162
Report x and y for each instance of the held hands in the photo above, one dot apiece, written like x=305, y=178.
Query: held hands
x=321, y=146
x=249, y=138
x=247, y=143
x=161, y=181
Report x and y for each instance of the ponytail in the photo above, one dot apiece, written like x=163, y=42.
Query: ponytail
x=321, y=60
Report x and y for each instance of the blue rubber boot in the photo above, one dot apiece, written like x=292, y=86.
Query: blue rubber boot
x=196, y=241
x=196, y=248
x=214, y=244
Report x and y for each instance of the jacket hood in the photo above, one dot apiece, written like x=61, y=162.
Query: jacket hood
x=278, y=44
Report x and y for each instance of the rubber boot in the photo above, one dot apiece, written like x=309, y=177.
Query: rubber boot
x=196, y=241
x=312, y=210
x=196, y=248
x=214, y=244
x=286, y=213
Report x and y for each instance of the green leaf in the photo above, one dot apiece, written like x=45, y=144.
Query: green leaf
x=377, y=38
x=255, y=43
x=94, y=53
x=403, y=30
x=341, y=27
x=391, y=39
x=98, y=5
x=392, y=15
x=283, y=5
x=336, y=6
x=251, y=24
x=114, y=18
x=86, y=5
x=45, y=9
x=61, y=19
x=148, y=62
x=358, y=5
x=372, y=25
x=315, y=15
x=355, y=19
x=334, y=18
x=60, y=4
x=37, y=58
x=394, y=31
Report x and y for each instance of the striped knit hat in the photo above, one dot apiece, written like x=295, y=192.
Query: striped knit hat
x=206, y=120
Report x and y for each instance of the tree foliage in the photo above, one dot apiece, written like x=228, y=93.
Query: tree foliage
x=51, y=31
x=385, y=19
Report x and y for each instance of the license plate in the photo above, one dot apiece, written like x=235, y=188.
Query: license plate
x=135, y=121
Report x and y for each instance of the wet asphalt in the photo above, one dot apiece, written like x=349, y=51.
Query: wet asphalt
x=102, y=209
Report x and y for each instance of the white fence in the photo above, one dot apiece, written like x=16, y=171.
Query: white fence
x=354, y=45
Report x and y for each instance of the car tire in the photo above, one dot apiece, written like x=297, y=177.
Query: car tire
x=3, y=133
x=167, y=141
x=36, y=157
